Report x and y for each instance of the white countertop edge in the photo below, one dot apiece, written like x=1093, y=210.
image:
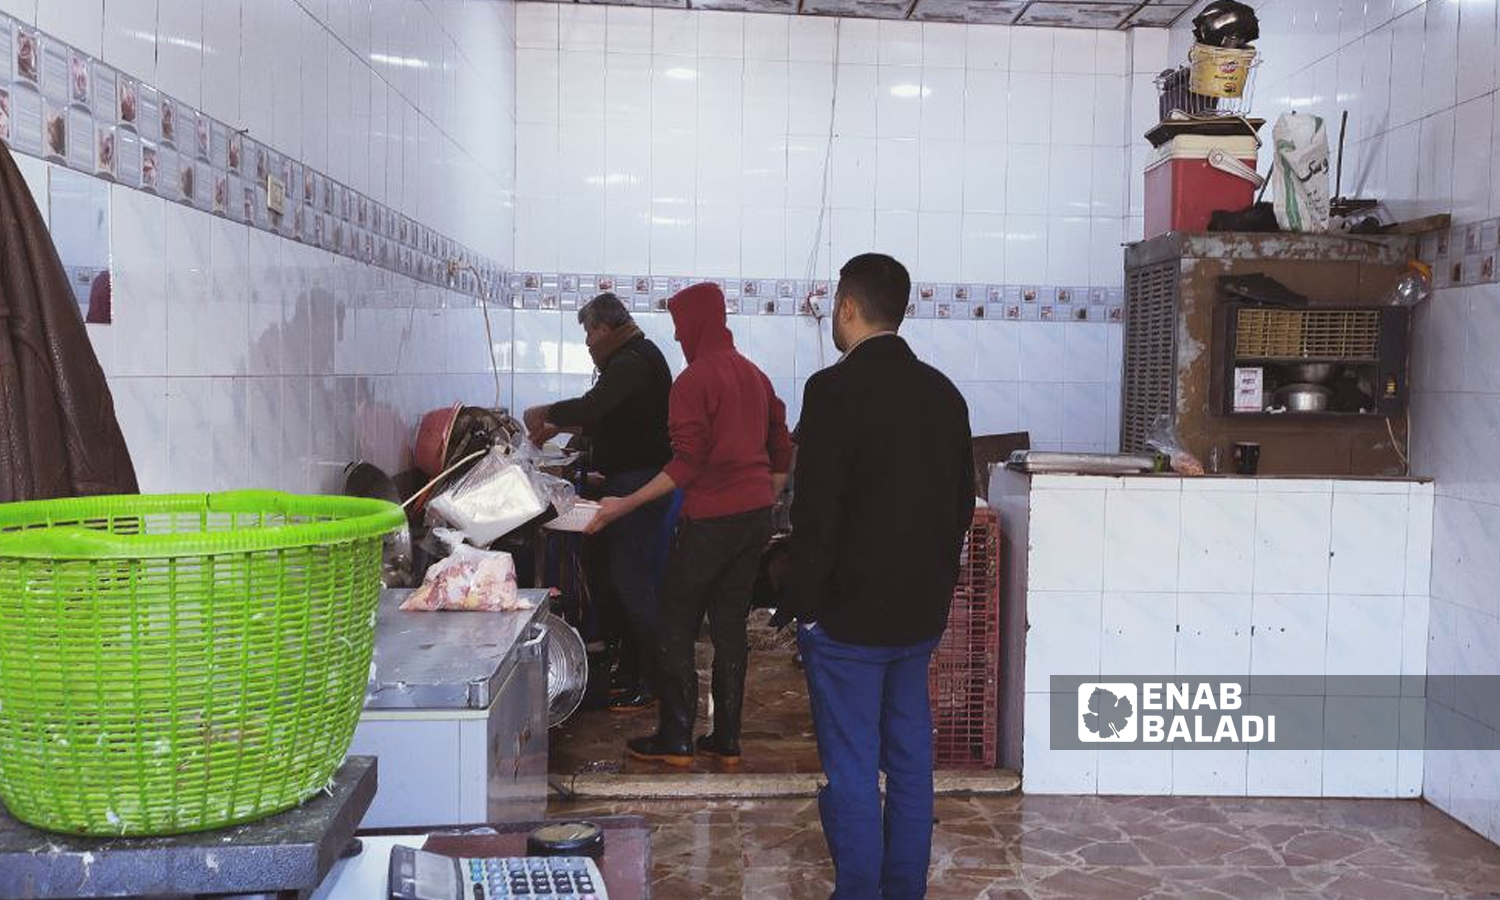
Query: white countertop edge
x=364, y=877
x=1231, y=483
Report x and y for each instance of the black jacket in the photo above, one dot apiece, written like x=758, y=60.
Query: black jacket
x=884, y=497
x=625, y=413
x=59, y=436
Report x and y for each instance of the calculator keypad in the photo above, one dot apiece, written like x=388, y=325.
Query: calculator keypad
x=555, y=878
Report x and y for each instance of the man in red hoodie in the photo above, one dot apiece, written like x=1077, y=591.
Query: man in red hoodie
x=730, y=455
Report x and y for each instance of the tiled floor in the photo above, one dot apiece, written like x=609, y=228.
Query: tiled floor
x=1079, y=848
x=777, y=726
x=1014, y=847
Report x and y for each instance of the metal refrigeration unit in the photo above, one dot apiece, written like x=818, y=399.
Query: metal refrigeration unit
x=457, y=715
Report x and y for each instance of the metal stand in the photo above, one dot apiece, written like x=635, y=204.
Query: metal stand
x=285, y=856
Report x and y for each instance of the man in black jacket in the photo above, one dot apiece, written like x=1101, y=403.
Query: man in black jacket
x=625, y=417
x=884, y=499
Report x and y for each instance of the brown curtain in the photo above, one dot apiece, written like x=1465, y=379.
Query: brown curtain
x=58, y=432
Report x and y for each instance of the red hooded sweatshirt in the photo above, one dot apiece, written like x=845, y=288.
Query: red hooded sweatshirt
x=727, y=426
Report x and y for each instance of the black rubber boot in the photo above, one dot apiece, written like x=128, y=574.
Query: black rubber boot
x=673, y=741
x=725, y=752
x=729, y=702
x=658, y=748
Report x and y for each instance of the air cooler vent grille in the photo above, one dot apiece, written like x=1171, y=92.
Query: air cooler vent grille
x=1150, y=351
x=1293, y=334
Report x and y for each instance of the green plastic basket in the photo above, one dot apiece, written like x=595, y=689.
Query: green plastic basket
x=180, y=663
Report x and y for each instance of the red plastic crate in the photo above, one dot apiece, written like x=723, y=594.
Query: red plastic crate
x=964, y=678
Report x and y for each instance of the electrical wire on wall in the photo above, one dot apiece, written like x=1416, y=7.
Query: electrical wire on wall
x=482, y=291
x=1396, y=445
x=810, y=302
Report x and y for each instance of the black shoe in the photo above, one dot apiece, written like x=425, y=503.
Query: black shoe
x=726, y=751
x=655, y=748
x=636, y=700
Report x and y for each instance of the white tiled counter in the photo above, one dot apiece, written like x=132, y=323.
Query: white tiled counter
x=1226, y=576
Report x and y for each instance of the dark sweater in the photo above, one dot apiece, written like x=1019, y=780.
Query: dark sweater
x=625, y=413
x=884, y=497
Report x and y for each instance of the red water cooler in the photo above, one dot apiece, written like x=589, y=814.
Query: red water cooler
x=1194, y=176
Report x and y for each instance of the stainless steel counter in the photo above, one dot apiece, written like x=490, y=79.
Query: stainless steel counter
x=457, y=714
x=446, y=660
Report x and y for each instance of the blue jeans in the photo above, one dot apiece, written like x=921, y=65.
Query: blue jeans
x=871, y=714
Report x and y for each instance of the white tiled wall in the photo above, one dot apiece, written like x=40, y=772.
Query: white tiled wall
x=697, y=139
x=1419, y=81
x=238, y=358
x=1059, y=380
x=1226, y=577
x=692, y=143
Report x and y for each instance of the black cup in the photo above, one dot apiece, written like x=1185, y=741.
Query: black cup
x=1246, y=457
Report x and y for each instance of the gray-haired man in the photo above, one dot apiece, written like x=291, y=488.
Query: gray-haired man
x=624, y=416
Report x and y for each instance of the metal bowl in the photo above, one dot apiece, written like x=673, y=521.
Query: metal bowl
x=1304, y=397
x=1310, y=373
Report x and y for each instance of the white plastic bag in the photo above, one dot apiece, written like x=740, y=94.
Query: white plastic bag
x=468, y=579
x=554, y=490
x=492, y=499
x=1300, y=192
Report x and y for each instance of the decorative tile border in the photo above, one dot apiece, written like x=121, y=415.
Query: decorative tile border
x=1464, y=254
x=66, y=107
x=646, y=293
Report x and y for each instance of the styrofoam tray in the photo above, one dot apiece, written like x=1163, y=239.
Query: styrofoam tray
x=575, y=519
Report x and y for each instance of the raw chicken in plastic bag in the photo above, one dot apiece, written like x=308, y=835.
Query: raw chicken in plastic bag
x=498, y=495
x=468, y=579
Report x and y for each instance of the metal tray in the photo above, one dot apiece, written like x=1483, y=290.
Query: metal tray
x=1045, y=462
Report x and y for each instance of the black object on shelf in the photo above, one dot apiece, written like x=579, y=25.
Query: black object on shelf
x=1175, y=95
x=1259, y=288
x=1213, y=126
x=1257, y=218
x=1226, y=23
x=1246, y=458
x=566, y=839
